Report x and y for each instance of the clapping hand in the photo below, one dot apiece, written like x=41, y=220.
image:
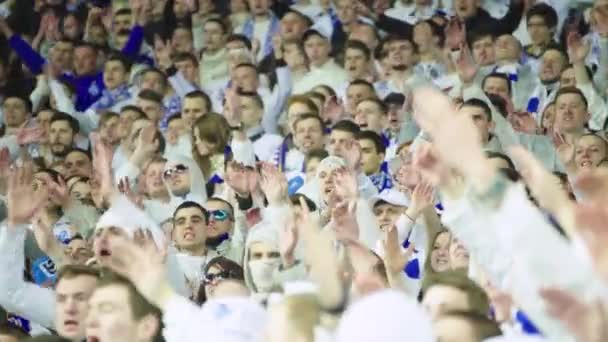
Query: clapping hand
x=23, y=201
x=273, y=184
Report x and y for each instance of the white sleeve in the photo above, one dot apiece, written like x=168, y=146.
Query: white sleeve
x=177, y=277
x=274, y=105
x=597, y=106
x=181, y=321
x=25, y=299
x=181, y=85
x=87, y=121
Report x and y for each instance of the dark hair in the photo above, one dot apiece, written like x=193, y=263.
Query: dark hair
x=151, y=95
x=253, y=95
x=318, y=154
x=247, y=65
x=191, y=204
x=476, y=297
x=136, y=109
x=26, y=101
x=123, y=11
x=198, y=94
x=80, y=150
x=475, y=102
x=572, y=90
x=308, y=116
x=346, y=126
x=239, y=38
x=174, y=117
x=213, y=128
x=483, y=327
x=500, y=75
x=358, y=45
x=373, y=137
x=558, y=49
x=158, y=72
x=362, y=83
x=475, y=35
x=545, y=11
x=233, y=269
x=184, y=56
x=218, y=21
x=494, y=155
x=218, y=199
x=118, y=57
x=295, y=201
x=436, y=30
x=61, y=116
x=499, y=103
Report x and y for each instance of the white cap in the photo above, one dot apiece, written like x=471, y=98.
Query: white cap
x=322, y=26
x=391, y=196
x=311, y=12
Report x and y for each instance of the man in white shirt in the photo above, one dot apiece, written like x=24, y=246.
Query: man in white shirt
x=402, y=58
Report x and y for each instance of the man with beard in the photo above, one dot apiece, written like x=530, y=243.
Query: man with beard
x=62, y=131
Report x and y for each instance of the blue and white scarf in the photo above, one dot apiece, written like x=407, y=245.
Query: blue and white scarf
x=248, y=31
x=109, y=98
x=171, y=106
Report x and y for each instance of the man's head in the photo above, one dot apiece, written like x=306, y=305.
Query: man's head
x=497, y=84
x=252, y=109
x=259, y=7
x=308, y=132
x=62, y=131
x=294, y=24
x=85, y=60
x=187, y=64
x=128, y=115
x=16, y=110
x=507, y=49
x=115, y=72
x=452, y=290
x=388, y=207
x=298, y=105
x=482, y=46
x=357, y=59
x=342, y=133
x=401, y=52
x=371, y=114
x=221, y=220
x=542, y=23
x=481, y=115
x=153, y=183
x=553, y=62
x=372, y=151
x=75, y=285
x=465, y=326
x=119, y=313
x=367, y=34
x=317, y=47
x=77, y=251
x=190, y=222
x=151, y=103
x=466, y=9
x=155, y=80
x=177, y=177
x=427, y=35
x=123, y=18
x=78, y=163
x=214, y=35
x=358, y=90
x=195, y=105
x=571, y=110
x=245, y=77
x=62, y=53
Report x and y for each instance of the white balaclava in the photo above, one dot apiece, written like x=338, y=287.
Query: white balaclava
x=259, y=274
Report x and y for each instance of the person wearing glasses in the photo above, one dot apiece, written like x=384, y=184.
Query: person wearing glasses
x=226, y=230
x=218, y=270
x=184, y=181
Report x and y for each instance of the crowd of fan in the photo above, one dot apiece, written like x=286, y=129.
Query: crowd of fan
x=303, y=170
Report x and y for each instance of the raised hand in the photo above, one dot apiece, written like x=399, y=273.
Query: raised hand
x=422, y=198
x=288, y=240
x=5, y=162
x=395, y=258
x=455, y=34
x=23, y=201
x=351, y=152
x=578, y=48
x=565, y=150
x=102, y=164
x=162, y=50
x=273, y=184
x=346, y=187
x=30, y=135
x=592, y=224
x=243, y=180
x=523, y=122
x=60, y=194
x=426, y=162
x=124, y=186
x=465, y=64
x=344, y=220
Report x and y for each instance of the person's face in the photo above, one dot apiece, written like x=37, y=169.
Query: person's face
x=182, y=40
x=497, y=86
x=507, y=48
x=78, y=164
x=214, y=274
x=589, y=152
x=188, y=69
x=459, y=256
x=62, y=53
x=440, y=260
x=365, y=34
x=401, y=53
x=454, y=329
x=567, y=78
x=221, y=218
x=15, y=112
x=180, y=10
x=108, y=131
x=308, y=135
x=71, y=305
x=250, y=111
x=570, y=113
x=125, y=122
x=387, y=214
x=44, y=121
x=81, y=190
x=346, y=12
x=356, y=63
x=483, y=51
x=263, y=251
x=153, y=110
x=370, y=158
x=293, y=26
x=466, y=8
x=337, y=141
x=551, y=66
x=395, y=116
x=111, y=317
x=259, y=7
x=369, y=116
x=317, y=49
x=189, y=228
x=203, y=146
x=77, y=252
x=61, y=137
x=326, y=180
x=153, y=179
x=423, y=37
x=102, y=245
x=440, y=299
x=214, y=37
x=177, y=177
x=192, y=110
x=152, y=80
x=539, y=32
x=293, y=56
x=71, y=27
x=122, y=23
x=176, y=126
x=85, y=60
x=549, y=118
x=356, y=93
x=246, y=78
x=480, y=120
x=294, y=111
x=98, y=35
x=114, y=74
x=311, y=167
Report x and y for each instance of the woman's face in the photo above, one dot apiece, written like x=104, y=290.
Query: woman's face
x=212, y=278
x=459, y=256
x=440, y=261
x=203, y=147
x=81, y=191
x=589, y=152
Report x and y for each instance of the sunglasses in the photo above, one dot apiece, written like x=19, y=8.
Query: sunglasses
x=178, y=170
x=215, y=277
x=219, y=215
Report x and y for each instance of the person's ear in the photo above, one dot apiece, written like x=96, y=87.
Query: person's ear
x=148, y=327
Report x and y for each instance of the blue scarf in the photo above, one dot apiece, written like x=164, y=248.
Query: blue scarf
x=248, y=31
x=382, y=180
x=111, y=97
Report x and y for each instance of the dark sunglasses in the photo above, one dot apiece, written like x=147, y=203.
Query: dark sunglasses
x=178, y=170
x=219, y=215
x=214, y=277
